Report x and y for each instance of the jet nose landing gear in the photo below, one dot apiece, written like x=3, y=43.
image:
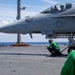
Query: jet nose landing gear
x=71, y=45
x=70, y=49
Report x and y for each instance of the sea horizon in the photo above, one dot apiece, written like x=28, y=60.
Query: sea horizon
x=31, y=43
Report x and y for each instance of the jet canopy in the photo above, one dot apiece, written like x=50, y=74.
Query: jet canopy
x=59, y=8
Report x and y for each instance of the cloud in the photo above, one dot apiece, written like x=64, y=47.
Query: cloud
x=10, y=13
x=50, y=1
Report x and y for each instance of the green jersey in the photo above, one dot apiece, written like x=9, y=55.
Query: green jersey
x=54, y=45
x=69, y=66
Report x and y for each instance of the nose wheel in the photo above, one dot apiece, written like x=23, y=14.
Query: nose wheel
x=71, y=43
x=70, y=49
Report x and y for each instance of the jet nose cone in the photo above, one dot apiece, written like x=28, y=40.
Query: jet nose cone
x=6, y=28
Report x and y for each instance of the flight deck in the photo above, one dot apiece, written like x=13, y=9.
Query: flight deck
x=31, y=60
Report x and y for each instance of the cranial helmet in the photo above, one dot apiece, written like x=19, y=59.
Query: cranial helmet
x=50, y=40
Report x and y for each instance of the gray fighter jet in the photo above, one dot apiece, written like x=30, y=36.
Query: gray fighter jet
x=58, y=21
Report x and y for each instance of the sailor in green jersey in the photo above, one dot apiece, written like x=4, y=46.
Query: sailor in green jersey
x=69, y=66
x=53, y=48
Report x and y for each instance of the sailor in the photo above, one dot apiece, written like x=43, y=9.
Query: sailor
x=68, y=5
x=69, y=66
x=55, y=8
x=62, y=7
x=53, y=48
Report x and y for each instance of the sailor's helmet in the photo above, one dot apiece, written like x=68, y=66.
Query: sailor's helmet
x=50, y=39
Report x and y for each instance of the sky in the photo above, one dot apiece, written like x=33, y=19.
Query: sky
x=8, y=12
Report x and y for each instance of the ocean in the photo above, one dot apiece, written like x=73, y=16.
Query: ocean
x=31, y=43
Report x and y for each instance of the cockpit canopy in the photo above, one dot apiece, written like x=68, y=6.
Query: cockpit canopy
x=59, y=8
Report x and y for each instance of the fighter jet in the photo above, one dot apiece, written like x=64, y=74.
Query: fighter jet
x=56, y=21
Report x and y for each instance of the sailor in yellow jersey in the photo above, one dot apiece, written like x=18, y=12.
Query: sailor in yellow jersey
x=69, y=66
